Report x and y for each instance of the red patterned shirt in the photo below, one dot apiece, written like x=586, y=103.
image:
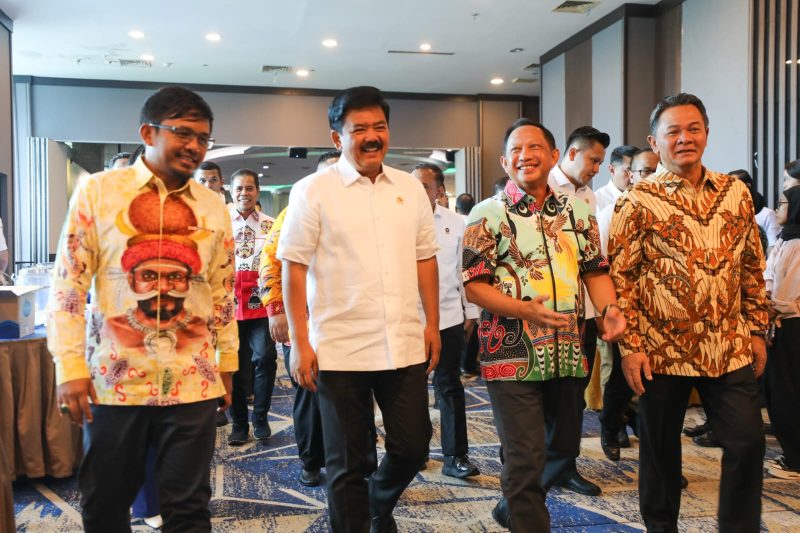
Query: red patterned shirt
x=249, y=235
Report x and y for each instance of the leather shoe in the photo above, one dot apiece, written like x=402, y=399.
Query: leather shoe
x=238, y=436
x=624, y=440
x=501, y=514
x=610, y=447
x=222, y=419
x=383, y=524
x=459, y=466
x=696, y=431
x=310, y=478
x=576, y=483
x=684, y=482
x=707, y=440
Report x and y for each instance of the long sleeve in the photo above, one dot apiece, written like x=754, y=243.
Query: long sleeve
x=221, y=280
x=269, y=278
x=754, y=298
x=625, y=254
x=76, y=263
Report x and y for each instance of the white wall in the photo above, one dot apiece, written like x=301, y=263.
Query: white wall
x=715, y=66
x=553, y=100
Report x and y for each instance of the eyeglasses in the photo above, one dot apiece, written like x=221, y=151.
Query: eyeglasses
x=185, y=135
x=644, y=172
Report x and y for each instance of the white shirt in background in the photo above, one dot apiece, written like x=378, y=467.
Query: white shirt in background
x=607, y=195
x=767, y=219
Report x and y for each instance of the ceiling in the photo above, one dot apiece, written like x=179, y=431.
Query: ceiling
x=87, y=39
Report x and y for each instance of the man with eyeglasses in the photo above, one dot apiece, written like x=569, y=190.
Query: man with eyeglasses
x=155, y=363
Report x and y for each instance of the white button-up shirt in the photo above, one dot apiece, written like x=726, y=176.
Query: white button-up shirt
x=606, y=195
x=453, y=304
x=558, y=180
x=361, y=242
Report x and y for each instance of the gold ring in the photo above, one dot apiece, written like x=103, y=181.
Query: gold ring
x=64, y=408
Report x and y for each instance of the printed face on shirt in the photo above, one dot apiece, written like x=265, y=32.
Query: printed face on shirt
x=642, y=166
x=585, y=161
x=160, y=285
x=528, y=157
x=429, y=183
x=244, y=191
x=170, y=154
x=209, y=178
x=364, y=139
x=680, y=139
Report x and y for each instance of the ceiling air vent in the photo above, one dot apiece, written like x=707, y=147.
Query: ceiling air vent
x=575, y=7
x=275, y=68
x=138, y=63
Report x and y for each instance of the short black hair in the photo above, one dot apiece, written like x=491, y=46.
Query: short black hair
x=793, y=169
x=210, y=165
x=583, y=135
x=464, y=203
x=676, y=100
x=175, y=101
x=329, y=155
x=743, y=175
x=619, y=154
x=361, y=97
x=528, y=122
x=117, y=157
x=500, y=184
x=637, y=153
x=437, y=172
x=245, y=172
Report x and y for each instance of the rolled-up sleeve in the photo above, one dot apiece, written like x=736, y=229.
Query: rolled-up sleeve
x=479, y=257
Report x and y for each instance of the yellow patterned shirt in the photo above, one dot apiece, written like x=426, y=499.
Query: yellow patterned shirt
x=269, y=276
x=687, y=265
x=159, y=267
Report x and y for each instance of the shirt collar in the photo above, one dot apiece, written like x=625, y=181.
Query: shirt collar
x=143, y=176
x=350, y=175
x=513, y=195
x=562, y=180
x=236, y=215
x=672, y=182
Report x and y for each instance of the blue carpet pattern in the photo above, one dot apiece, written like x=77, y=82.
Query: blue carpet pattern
x=255, y=487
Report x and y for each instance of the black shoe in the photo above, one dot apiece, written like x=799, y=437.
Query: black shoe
x=261, y=430
x=576, y=483
x=222, y=419
x=684, y=482
x=696, y=431
x=610, y=446
x=310, y=478
x=238, y=436
x=501, y=514
x=624, y=440
x=459, y=466
x=383, y=524
x=424, y=465
x=707, y=440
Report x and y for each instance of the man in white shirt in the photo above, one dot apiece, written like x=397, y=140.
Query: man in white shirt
x=208, y=174
x=619, y=166
x=586, y=149
x=453, y=305
x=359, y=236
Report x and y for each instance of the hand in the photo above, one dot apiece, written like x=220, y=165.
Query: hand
x=612, y=326
x=536, y=313
x=303, y=363
x=76, y=394
x=633, y=365
x=433, y=346
x=759, y=355
x=469, y=327
x=226, y=399
x=279, y=328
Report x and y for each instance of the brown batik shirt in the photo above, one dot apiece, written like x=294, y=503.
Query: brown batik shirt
x=687, y=265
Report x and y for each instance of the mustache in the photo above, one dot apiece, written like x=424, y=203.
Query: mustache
x=368, y=145
x=149, y=295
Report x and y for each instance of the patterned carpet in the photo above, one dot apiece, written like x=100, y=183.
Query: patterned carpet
x=255, y=487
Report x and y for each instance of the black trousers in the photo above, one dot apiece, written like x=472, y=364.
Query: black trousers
x=344, y=401
x=782, y=389
x=617, y=397
x=564, y=432
x=115, y=450
x=256, y=351
x=450, y=392
x=307, y=422
x=731, y=404
x=469, y=357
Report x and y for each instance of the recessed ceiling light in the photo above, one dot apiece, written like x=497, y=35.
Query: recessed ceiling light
x=425, y=47
x=330, y=43
x=147, y=57
x=260, y=175
x=213, y=37
x=496, y=81
x=789, y=61
x=265, y=167
x=136, y=34
x=302, y=73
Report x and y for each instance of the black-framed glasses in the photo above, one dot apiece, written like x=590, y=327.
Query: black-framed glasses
x=185, y=135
